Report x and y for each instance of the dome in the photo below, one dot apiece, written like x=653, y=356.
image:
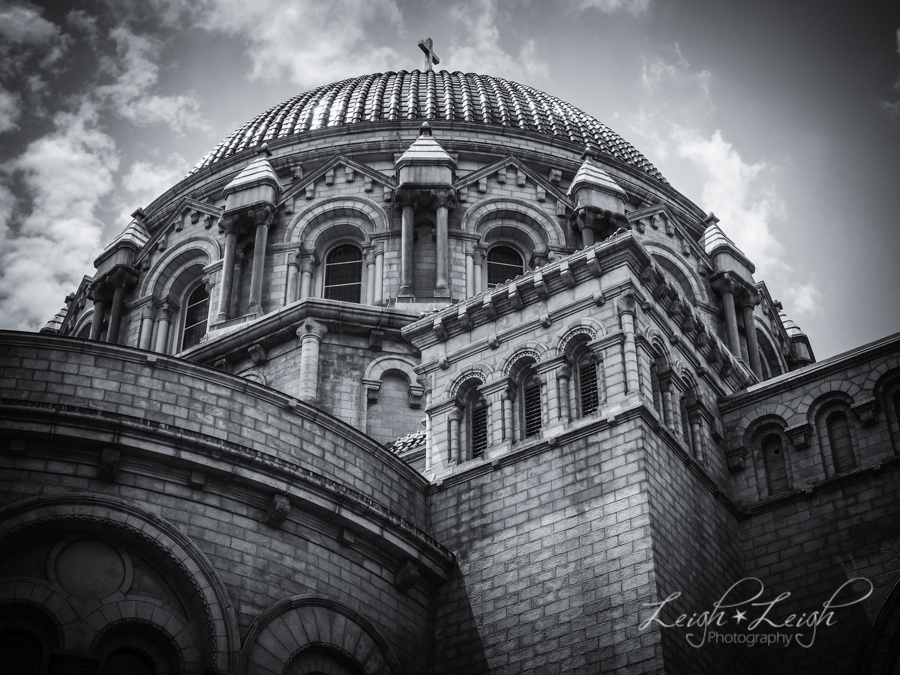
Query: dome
x=429, y=95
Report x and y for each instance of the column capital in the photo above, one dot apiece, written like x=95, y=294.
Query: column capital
x=445, y=198
x=308, y=262
x=406, y=197
x=747, y=298
x=312, y=328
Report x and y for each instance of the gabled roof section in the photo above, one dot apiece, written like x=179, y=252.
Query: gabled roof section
x=518, y=165
x=257, y=172
x=175, y=215
x=333, y=164
x=716, y=241
x=591, y=176
x=425, y=150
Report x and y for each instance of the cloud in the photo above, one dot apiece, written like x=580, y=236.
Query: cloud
x=145, y=181
x=52, y=240
x=482, y=52
x=803, y=298
x=24, y=35
x=735, y=191
x=611, y=6
x=9, y=111
x=892, y=108
x=135, y=76
x=308, y=41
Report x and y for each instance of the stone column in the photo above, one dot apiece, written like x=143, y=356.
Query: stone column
x=162, y=328
x=407, y=200
x=734, y=342
x=370, y=275
x=627, y=310
x=310, y=334
x=565, y=406
x=508, y=428
x=747, y=306
x=292, y=292
x=263, y=221
x=307, y=265
x=442, y=266
x=585, y=225
x=230, y=226
x=550, y=406
x=97, y=319
x=379, y=274
x=470, y=271
x=148, y=318
x=116, y=311
x=478, y=263
x=453, y=422
x=429, y=425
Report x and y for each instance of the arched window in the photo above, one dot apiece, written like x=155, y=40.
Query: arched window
x=840, y=441
x=588, y=384
x=196, y=316
x=20, y=652
x=476, y=426
x=655, y=388
x=773, y=459
x=685, y=422
x=503, y=264
x=343, y=274
x=531, y=405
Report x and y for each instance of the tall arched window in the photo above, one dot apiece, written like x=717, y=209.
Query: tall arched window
x=588, y=384
x=477, y=429
x=196, y=315
x=655, y=390
x=20, y=652
x=773, y=458
x=840, y=441
x=531, y=405
x=503, y=264
x=343, y=274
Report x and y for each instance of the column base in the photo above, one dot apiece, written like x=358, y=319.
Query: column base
x=442, y=292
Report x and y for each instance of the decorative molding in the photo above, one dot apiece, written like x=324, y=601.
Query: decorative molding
x=278, y=510
x=799, y=435
x=867, y=411
x=737, y=459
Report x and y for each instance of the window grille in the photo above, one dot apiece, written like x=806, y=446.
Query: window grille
x=343, y=274
x=478, y=422
x=503, y=264
x=587, y=379
x=532, y=406
x=196, y=315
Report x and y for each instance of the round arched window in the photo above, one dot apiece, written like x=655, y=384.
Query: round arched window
x=343, y=274
x=503, y=264
x=196, y=315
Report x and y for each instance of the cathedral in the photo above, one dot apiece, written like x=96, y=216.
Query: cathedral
x=432, y=372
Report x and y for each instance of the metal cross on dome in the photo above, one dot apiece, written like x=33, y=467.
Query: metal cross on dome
x=427, y=46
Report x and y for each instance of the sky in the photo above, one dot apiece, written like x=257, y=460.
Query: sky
x=782, y=117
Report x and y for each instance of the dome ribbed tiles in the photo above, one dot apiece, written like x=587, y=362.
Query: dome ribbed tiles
x=430, y=95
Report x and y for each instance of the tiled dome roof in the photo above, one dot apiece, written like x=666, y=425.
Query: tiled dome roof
x=425, y=96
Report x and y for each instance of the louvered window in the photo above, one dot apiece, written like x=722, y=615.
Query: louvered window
x=478, y=428
x=531, y=401
x=587, y=381
x=503, y=264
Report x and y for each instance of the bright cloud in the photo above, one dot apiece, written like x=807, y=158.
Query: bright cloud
x=136, y=75
x=804, y=299
x=610, y=6
x=9, y=110
x=733, y=189
x=145, y=181
x=482, y=52
x=310, y=42
x=66, y=173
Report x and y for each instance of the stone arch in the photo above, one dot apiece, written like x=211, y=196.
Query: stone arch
x=86, y=318
x=157, y=640
x=777, y=477
x=533, y=350
x=817, y=414
x=881, y=653
x=391, y=398
x=886, y=392
x=673, y=264
x=879, y=371
x=255, y=376
x=479, y=372
x=102, y=516
x=586, y=326
x=543, y=231
x=768, y=348
x=197, y=250
x=781, y=411
x=657, y=342
x=850, y=389
x=18, y=615
x=283, y=630
x=308, y=225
